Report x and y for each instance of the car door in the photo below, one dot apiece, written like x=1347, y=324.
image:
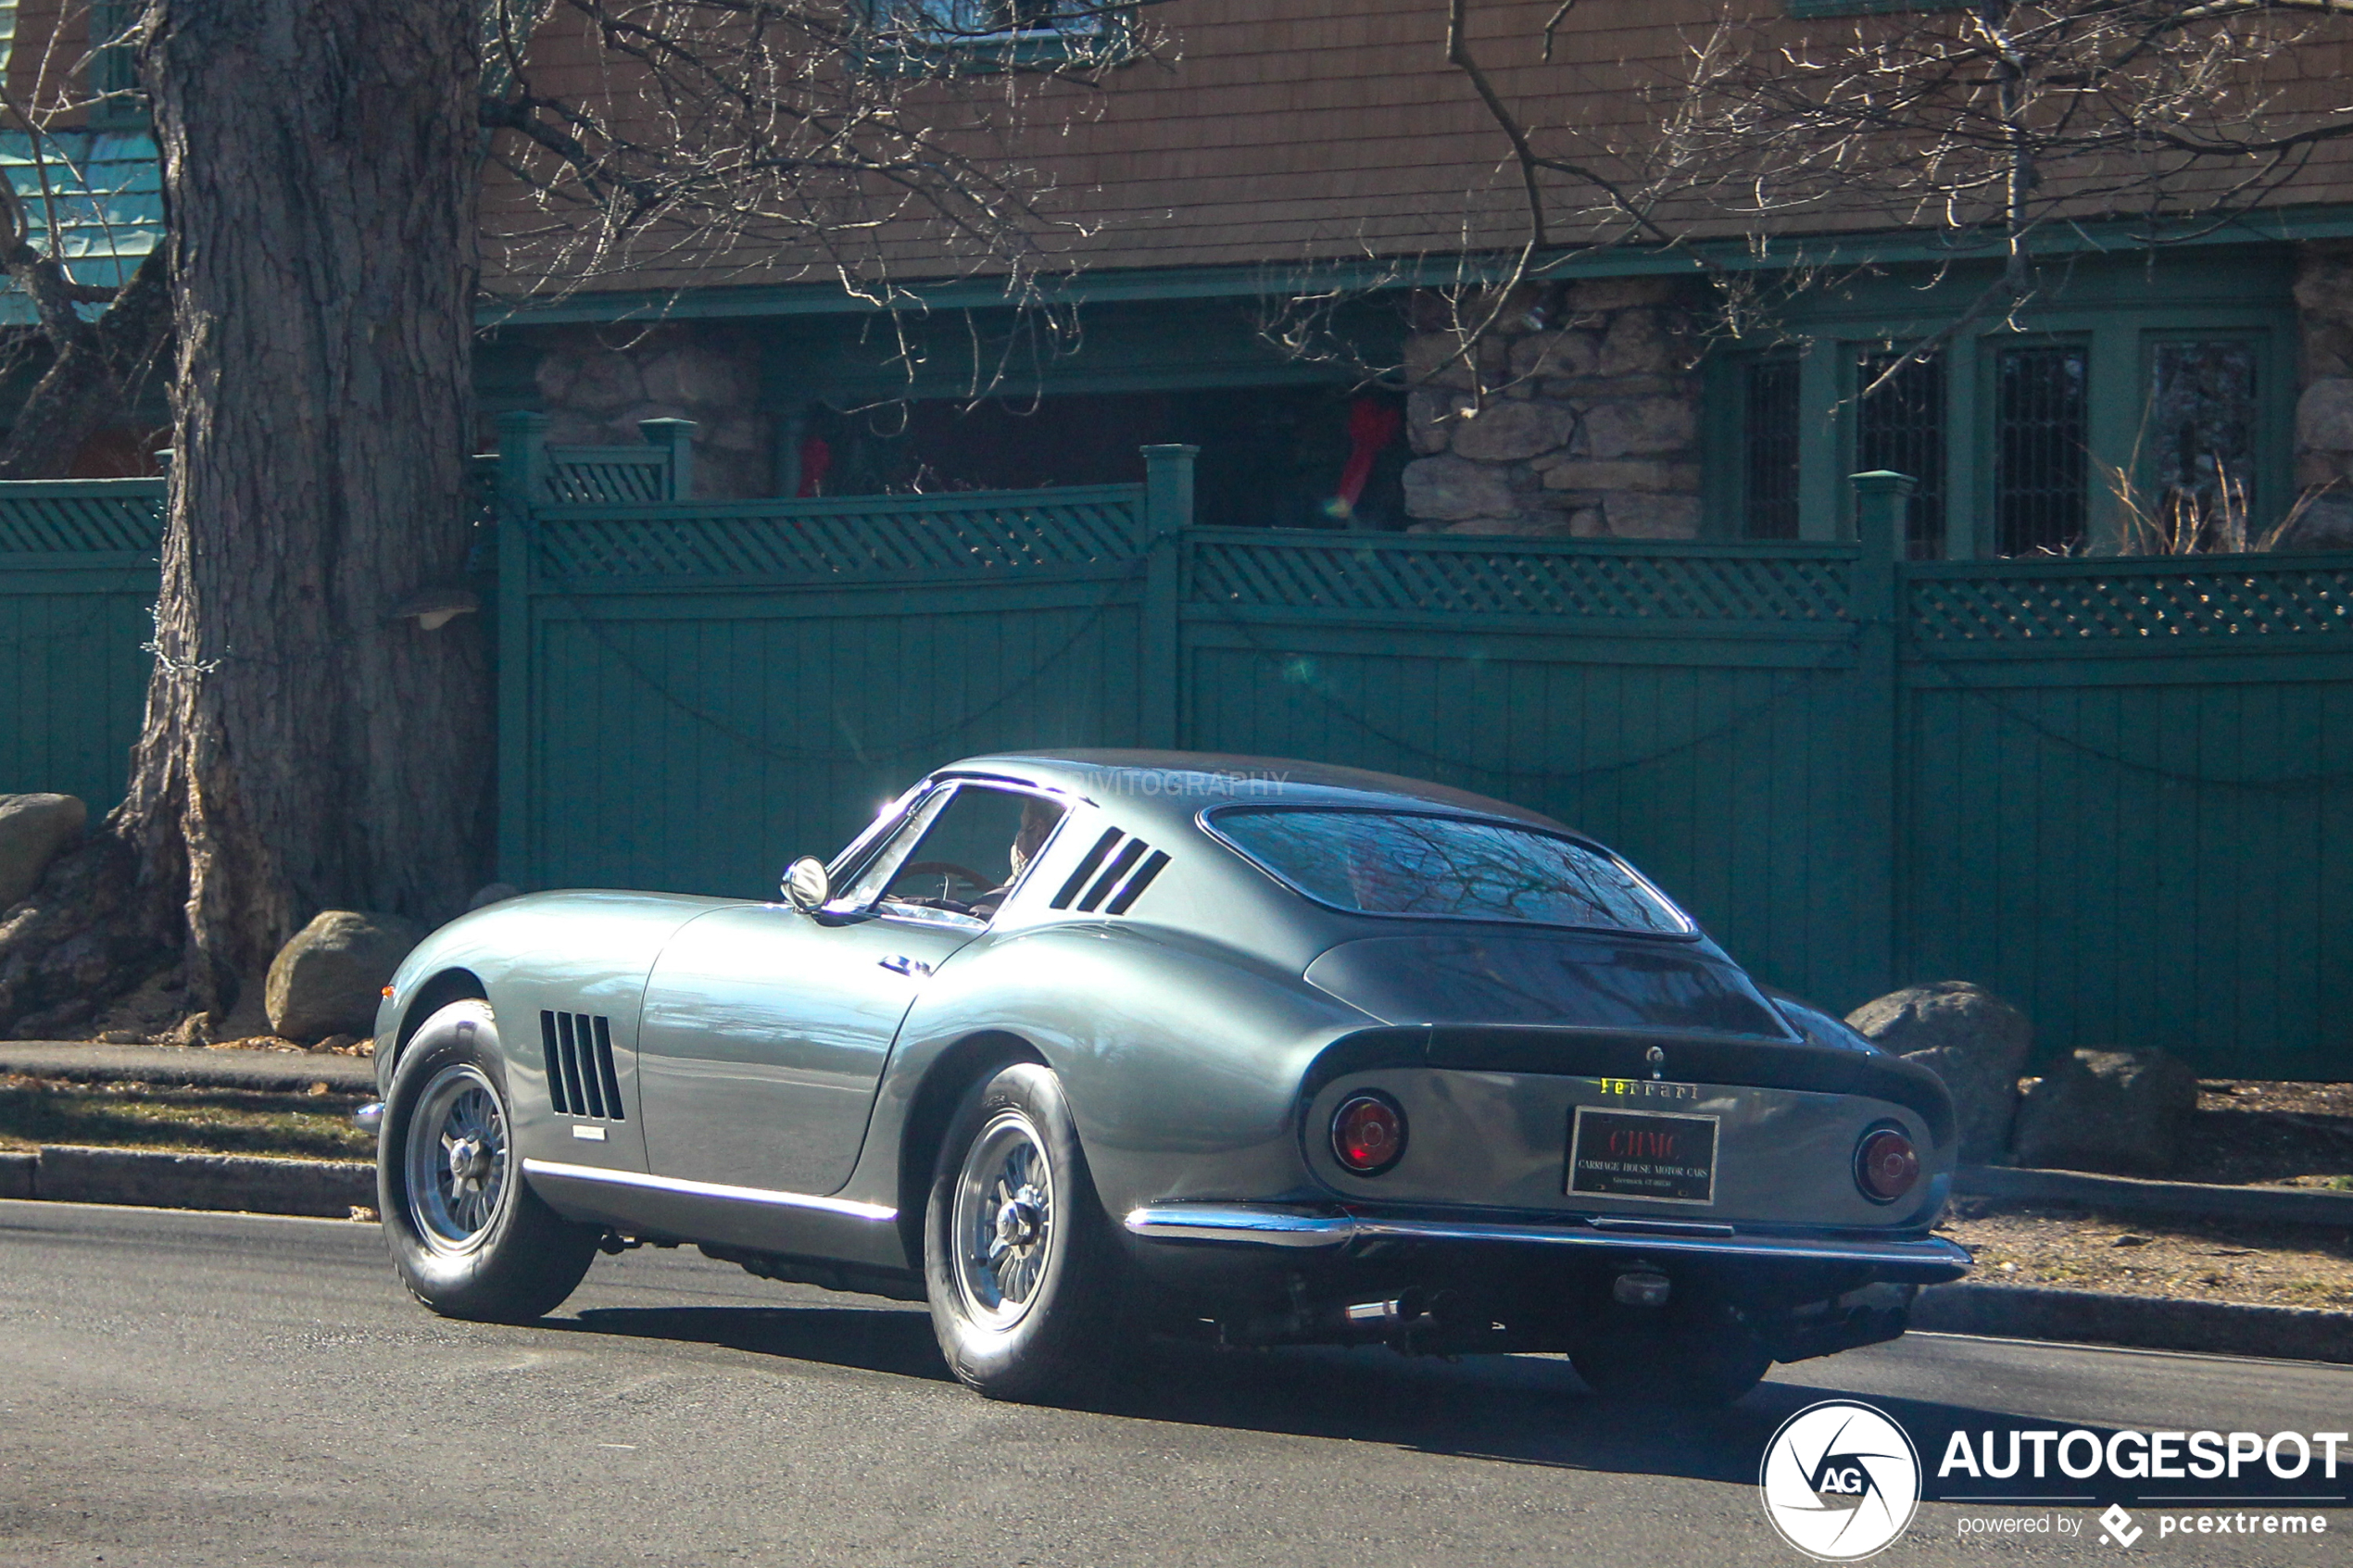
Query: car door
x=766, y=1030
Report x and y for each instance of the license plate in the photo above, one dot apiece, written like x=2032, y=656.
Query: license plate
x=1666, y=1157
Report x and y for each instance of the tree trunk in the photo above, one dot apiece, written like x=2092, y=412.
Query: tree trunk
x=302, y=749
x=96, y=373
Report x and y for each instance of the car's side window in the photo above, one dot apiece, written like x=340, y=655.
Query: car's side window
x=959, y=856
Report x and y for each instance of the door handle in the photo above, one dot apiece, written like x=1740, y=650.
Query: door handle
x=900, y=963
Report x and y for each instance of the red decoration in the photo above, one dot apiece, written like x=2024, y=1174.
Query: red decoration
x=816, y=460
x=1373, y=423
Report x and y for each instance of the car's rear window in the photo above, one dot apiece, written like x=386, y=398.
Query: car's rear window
x=1404, y=863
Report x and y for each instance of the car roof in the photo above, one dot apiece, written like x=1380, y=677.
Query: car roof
x=1179, y=784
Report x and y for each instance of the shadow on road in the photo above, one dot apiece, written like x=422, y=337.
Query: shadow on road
x=1522, y=1410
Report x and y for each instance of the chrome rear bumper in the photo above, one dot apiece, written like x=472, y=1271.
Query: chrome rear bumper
x=1268, y=1226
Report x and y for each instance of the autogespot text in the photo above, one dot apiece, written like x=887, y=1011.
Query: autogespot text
x=2140, y=1456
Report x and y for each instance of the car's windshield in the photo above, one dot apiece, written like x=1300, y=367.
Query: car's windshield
x=1401, y=863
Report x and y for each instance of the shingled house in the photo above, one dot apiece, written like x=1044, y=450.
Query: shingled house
x=1266, y=152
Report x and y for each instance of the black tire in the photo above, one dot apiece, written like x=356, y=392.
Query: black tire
x=1039, y=1319
x=1688, y=1365
x=479, y=1242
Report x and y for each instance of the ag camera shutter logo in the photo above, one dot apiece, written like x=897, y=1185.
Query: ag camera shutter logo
x=1840, y=1480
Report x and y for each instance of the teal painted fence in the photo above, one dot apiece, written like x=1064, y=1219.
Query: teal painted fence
x=77, y=596
x=2119, y=791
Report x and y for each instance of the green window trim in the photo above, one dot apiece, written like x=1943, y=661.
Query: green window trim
x=1112, y=41
x=2121, y=316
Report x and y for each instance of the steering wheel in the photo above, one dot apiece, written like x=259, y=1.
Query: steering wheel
x=945, y=868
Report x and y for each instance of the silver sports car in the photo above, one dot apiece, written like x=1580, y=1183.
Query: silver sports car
x=1085, y=1045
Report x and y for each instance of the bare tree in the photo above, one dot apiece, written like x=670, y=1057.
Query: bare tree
x=1992, y=126
x=101, y=338
x=305, y=746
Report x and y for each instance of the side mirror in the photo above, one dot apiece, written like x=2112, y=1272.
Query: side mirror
x=806, y=886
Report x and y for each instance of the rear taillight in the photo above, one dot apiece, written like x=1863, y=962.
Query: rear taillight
x=1886, y=1166
x=1368, y=1134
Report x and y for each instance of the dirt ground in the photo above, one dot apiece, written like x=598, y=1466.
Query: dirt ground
x=2248, y=1131
x=2141, y=1255
x=2244, y=1132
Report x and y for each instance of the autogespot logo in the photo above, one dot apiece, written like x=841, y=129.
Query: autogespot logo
x=1840, y=1480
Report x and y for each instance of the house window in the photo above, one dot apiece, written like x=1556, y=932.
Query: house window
x=1901, y=426
x=2203, y=398
x=2039, y=456
x=1769, y=447
x=114, y=67
x=1000, y=32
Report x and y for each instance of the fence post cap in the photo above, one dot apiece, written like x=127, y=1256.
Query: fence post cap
x=1881, y=481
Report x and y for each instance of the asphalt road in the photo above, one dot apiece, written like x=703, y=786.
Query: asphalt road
x=192, y=1388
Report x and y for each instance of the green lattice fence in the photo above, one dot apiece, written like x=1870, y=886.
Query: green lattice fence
x=2119, y=791
x=77, y=586
x=692, y=694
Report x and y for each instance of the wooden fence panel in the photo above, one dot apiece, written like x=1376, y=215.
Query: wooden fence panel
x=2127, y=793
x=78, y=578
x=710, y=690
x=1693, y=707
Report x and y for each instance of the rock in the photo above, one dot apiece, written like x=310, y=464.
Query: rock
x=33, y=829
x=1649, y=478
x=2324, y=414
x=1637, y=427
x=1447, y=488
x=492, y=892
x=1507, y=431
x=592, y=380
x=1430, y=419
x=2122, y=1112
x=1636, y=345
x=1967, y=1037
x=1653, y=517
x=329, y=977
x=1555, y=354
x=2324, y=524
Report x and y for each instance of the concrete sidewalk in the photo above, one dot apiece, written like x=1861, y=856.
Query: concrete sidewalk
x=281, y=1071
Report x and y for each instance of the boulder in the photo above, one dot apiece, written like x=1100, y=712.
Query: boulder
x=33, y=829
x=1967, y=1037
x=1637, y=427
x=2122, y=1112
x=1507, y=429
x=1449, y=488
x=329, y=977
x=2324, y=414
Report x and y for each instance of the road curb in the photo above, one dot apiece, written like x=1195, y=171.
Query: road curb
x=70, y=1173
x=2282, y=1206
x=2144, y=1322
x=270, y=1072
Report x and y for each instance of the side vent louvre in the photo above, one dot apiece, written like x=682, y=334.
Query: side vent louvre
x=1086, y=868
x=1111, y=881
x=581, y=1081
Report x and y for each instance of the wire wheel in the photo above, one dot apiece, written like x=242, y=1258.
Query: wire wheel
x=1004, y=1220
x=458, y=1159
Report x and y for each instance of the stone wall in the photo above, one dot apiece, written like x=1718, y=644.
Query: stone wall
x=2324, y=404
x=596, y=385
x=1582, y=417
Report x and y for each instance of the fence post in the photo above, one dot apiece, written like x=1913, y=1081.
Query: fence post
x=523, y=477
x=1168, y=511
x=678, y=438
x=1882, y=503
